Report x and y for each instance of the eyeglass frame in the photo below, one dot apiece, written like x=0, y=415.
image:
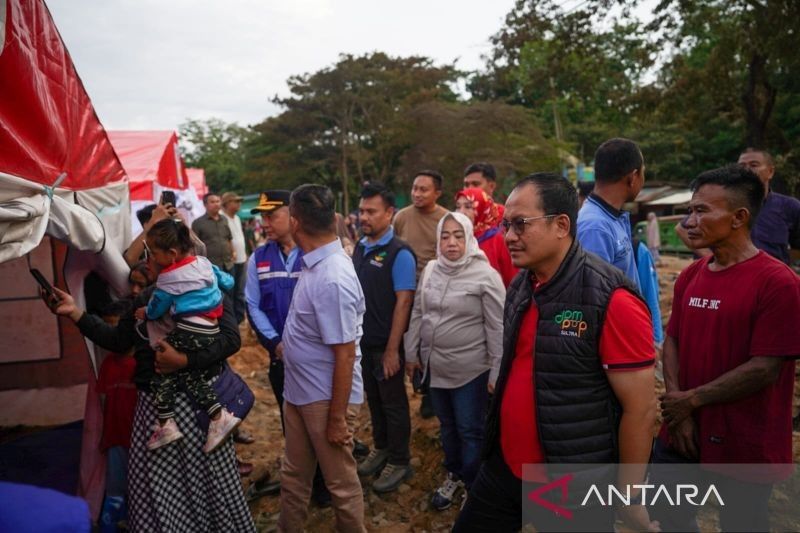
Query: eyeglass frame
x=507, y=225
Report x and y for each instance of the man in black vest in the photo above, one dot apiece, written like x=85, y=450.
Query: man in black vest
x=576, y=383
x=386, y=268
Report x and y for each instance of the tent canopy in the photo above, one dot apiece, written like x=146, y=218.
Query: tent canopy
x=49, y=133
x=150, y=157
x=197, y=179
x=47, y=122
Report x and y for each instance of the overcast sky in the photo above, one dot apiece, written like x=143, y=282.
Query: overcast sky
x=150, y=64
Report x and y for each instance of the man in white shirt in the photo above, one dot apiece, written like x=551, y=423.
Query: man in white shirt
x=231, y=202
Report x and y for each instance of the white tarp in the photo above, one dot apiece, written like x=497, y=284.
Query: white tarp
x=28, y=211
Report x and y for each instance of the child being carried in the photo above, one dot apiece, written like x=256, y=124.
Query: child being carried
x=188, y=292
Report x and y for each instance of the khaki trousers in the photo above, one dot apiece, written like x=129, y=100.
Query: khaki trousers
x=307, y=444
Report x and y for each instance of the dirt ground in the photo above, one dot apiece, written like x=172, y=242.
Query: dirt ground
x=408, y=508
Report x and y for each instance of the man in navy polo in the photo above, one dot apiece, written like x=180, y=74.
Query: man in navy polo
x=777, y=228
x=386, y=269
x=603, y=228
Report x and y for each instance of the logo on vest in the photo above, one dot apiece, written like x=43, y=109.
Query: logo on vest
x=378, y=260
x=572, y=323
x=262, y=267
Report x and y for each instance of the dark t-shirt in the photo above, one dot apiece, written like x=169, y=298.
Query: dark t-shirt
x=217, y=236
x=777, y=226
x=721, y=320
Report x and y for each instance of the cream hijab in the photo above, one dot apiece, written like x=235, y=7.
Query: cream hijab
x=472, y=251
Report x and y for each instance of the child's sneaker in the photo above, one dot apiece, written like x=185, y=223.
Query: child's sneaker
x=219, y=429
x=163, y=435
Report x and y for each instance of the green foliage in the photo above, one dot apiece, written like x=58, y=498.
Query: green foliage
x=701, y=81
x=218, y=148
x=450, y=136
x=347, y=123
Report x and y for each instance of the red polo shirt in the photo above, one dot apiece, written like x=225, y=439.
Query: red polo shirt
x=626, y=343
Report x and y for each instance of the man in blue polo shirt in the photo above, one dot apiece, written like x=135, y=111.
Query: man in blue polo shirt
x=603, y=228
x=322, y=360
x=386, y=269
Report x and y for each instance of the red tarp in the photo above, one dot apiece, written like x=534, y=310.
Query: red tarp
x=150, y=157
x=47, y=122
x=197, y=179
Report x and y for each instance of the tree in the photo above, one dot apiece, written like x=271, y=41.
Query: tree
x=751, y=42
x=449, y=136
x=346, y=124
x=580, y=81
x=217, y=147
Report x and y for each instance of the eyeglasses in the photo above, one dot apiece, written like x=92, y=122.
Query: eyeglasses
x=518, y=224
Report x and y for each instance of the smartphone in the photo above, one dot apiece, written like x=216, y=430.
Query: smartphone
x=168, y=197
x=43, y=283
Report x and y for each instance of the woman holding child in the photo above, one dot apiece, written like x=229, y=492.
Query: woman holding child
x=177, y=487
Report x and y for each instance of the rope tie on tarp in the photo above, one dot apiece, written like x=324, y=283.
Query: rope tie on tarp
x=50, y=189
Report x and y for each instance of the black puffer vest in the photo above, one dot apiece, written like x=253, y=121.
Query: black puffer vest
x=576, y=411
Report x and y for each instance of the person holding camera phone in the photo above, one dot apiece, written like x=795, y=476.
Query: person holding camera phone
x=148, y=216
x=180, y=488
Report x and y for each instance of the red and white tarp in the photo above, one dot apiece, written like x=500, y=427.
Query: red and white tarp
x=64, y=210
x=197, y=179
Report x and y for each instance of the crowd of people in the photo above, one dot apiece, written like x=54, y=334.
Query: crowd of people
x=532, y=328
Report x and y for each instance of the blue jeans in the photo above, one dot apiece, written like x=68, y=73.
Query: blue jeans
x=461, y=413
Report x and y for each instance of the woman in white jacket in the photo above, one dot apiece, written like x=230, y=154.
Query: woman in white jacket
x=455, y=336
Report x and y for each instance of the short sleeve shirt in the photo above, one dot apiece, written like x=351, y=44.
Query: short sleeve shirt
x=217, y=236
x=777, y=226
x=626, y=344
x=606, y=232
x=327, y=308
x=720, y=320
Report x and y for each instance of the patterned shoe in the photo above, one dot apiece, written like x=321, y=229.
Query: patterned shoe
x=163, y=435
x=443, y=497
x=220, y=429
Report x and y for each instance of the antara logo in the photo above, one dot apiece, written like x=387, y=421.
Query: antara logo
x=648, y=495
x=572, y=323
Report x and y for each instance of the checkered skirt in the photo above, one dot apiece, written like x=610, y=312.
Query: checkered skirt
x=178, y=488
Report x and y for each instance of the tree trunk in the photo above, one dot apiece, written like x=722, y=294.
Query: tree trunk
x=758, y=99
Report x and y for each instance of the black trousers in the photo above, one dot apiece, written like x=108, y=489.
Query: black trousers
x=746, y=504
x=388, y=406
x=494, y=504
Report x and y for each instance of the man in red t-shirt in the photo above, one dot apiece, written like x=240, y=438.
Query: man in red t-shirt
x=569, y=309
x=729, y=353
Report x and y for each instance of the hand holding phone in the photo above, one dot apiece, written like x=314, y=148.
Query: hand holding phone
x=168, y=198
x=44, y=284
